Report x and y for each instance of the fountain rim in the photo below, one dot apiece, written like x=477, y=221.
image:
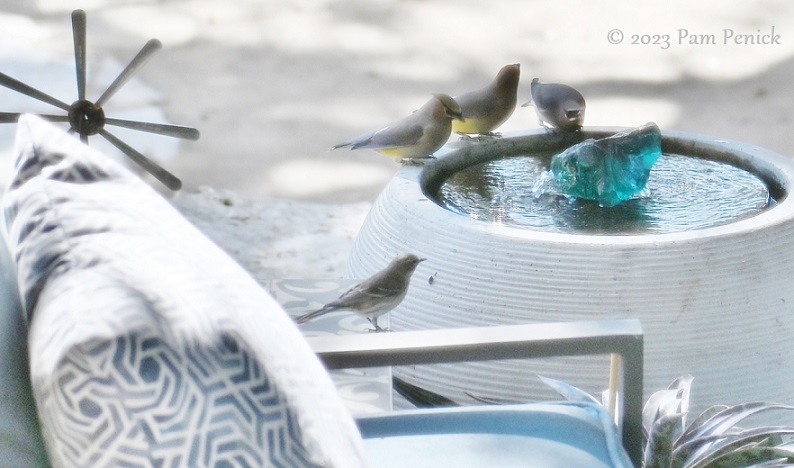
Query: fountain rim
x=776, y=170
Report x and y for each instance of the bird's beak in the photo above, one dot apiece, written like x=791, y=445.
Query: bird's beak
x=422, y=260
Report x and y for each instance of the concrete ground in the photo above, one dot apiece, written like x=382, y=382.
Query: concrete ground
x=272, y=85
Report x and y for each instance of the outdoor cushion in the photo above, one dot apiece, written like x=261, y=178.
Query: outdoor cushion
x=148, y=344
x=540, y=435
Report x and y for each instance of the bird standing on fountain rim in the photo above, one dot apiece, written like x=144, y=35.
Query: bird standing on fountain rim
x=376, y=295
x=485, y=109
x=557, y=105
x=416, y=136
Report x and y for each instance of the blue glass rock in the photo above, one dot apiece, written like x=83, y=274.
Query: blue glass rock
x=610, y=170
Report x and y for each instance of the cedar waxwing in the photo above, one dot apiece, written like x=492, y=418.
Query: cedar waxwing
x=417, y=136
x=376, y=295
x=557, y=105
x=487, y=108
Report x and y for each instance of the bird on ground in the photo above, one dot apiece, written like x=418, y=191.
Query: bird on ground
x=376, y=295
x=485, y=109
x=414, y=137
x=557, y=105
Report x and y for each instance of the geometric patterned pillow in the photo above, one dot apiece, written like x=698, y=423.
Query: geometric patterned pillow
x=148, y=344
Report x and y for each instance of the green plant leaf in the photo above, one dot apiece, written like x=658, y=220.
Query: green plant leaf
x=707, y=414
x=780, y=463
x=569, y=392
x=659, y=447
x=751, y=456
x=490, y=400
x=709, y=448
x=683, y=383
x=726, y=419
x=661, y=403
x=420, y=397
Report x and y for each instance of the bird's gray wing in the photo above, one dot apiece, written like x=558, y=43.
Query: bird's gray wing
x=355, y=141
x=548, y=95
x=308, y=316
x=380, y=286
x=478, y=103
x=395, y=135
x=544, y=98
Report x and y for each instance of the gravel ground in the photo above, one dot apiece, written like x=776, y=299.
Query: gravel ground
x=272, y=85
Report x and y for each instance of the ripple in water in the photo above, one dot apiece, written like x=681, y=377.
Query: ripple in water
x=683, y=193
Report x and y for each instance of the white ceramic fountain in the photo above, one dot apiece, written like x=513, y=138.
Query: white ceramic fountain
x=716, y=302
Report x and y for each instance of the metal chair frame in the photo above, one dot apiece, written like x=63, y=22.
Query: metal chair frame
x=622, y=338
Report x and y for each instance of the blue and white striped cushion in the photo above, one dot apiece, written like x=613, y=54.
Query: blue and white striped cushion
x=149, y=346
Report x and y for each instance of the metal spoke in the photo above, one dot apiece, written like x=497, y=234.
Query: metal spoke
x=9, y=117
x=86, y=118
x=21, y=87
x=79, y=32
x=168, y=179
x=83, y=138
x=143, y=56
x=178, y=131
x=13, y=117
x=54, y=118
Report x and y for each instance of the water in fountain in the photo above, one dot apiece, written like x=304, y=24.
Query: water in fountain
x=682, y=193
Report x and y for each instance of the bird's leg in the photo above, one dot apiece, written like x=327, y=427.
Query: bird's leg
x=374, y=322
x=464, y=136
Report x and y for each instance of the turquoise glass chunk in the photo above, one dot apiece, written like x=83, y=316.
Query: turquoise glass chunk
x=610, y=170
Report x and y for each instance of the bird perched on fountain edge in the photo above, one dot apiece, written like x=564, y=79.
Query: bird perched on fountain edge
x=557, y=105
x=417, y=136
x=376, y=295
x=485, y=109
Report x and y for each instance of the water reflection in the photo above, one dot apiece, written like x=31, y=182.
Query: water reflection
x=683, y=193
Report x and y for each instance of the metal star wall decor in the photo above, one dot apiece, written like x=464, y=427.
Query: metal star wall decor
x=88, y=118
